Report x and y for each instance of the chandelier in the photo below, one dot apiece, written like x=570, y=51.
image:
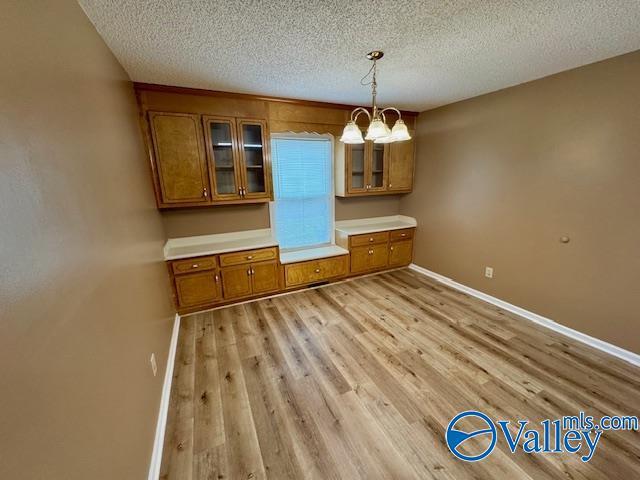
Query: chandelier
x=378, y=131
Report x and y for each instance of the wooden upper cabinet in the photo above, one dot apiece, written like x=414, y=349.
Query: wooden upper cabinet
x=401, y=160
x=378, y=167
x=374, y=168
x=355, y=165
x=182, y=175
x=203, y=160
x=239, y=163
x=222, y=151
x=255, y=165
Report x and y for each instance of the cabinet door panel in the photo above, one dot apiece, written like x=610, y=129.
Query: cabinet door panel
x=401, y=159
x=265, y=277
x=221, y=140
x=379, y=256
x=254, y=154
x=236, y=282
x=360, y=259
x=180, y=159
x=198, y=288
x=378, y=167
x=356, y=167
x=400, y=253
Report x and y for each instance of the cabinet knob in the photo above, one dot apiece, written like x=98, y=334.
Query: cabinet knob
x=391, y=249
x=317, y=270
x=249, y=257
x=195, y=265
x=248, y=271
x=216, y=278
x=390, y=185
x=371, y=239
x=205, y=193
x=370, y=252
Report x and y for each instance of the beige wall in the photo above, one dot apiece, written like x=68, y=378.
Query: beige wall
x=500, y=178
x=84, y=295
x=203, y=221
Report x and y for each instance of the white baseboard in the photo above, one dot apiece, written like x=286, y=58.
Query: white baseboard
x=156, y=456
x=609, y=348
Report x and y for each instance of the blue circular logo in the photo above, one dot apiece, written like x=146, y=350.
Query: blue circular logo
x=455, y=437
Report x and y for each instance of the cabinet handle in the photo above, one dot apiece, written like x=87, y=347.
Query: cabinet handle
x=317, y=270
x=240, y=191
x=205, y=193
x=244, y=191
x=253, y=272
x=370, y=252
x=249, y=257
x=390, y=185
x=248, y=271
x=371, y=239
x=195, y=265
x=391, y=249
x=216, y=278
x=403, y=234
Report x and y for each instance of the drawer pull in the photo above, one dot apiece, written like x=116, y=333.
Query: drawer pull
x=249, y=257
x=317, y=270
x=195, y=265
x=371, y=239
x=403, y=234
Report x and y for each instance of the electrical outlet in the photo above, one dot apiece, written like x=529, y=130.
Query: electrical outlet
x=154, y=365
x=488, y=272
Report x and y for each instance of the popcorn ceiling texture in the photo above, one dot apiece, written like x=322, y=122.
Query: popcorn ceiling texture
x=436, y=52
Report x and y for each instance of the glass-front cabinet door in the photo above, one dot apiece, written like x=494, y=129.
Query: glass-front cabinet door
x=356, y=168
x=253, y=150
x=221, y=141
x=378, y=167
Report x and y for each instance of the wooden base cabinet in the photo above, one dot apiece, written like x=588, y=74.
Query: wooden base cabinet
x=198, y=289
x=400, y=253
x=375, y=251
x=367, y=258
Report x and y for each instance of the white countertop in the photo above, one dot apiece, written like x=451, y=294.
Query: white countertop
x=186, y=247
x=312, y=254
x=375, y=224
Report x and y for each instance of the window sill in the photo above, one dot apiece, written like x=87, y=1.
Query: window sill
x=312, y=254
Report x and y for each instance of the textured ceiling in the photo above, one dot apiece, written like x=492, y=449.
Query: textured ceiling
x=436, y=52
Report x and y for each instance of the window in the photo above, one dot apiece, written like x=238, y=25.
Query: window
x=302, y=213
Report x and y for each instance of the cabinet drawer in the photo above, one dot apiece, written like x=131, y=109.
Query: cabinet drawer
x=368, y=239
x=196, y=264
x=248, y=256
x=198, y=289
x=404, y=234
x=315, y=270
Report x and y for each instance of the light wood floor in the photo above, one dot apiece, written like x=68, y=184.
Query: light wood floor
x=360, y=379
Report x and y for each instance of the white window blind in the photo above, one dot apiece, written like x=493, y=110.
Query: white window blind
x=302, y=213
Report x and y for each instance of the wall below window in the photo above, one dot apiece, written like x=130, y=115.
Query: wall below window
x=501, y=177
x=84, y=293
x=203, y=221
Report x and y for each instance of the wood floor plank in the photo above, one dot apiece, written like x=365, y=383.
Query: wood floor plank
x=358, y=380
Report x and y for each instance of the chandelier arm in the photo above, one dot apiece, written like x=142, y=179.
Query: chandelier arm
x=359, y=110
x=394, y=109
